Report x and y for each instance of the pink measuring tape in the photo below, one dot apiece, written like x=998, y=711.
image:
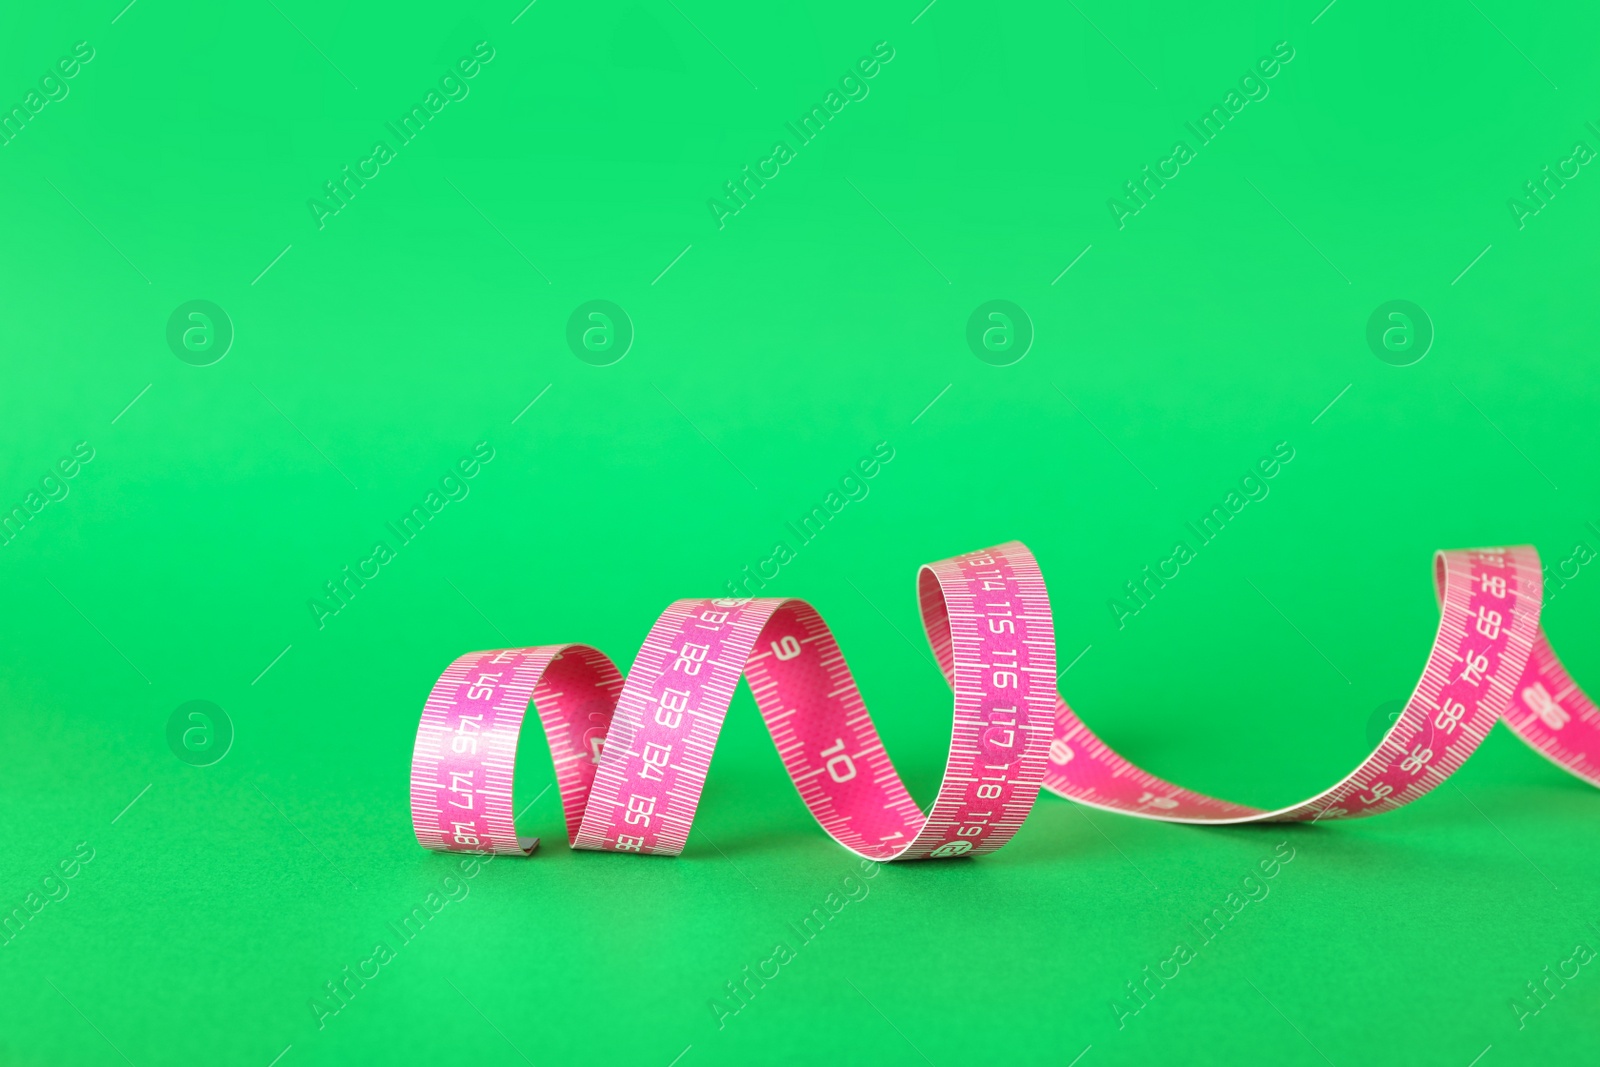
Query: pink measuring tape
x=631, y=756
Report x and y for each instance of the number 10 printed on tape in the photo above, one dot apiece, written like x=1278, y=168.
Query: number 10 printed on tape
x=631, y=756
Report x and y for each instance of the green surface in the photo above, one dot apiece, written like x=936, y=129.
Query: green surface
x=776, y=350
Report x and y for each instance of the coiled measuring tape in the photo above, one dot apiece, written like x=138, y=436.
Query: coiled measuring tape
x=631, y=756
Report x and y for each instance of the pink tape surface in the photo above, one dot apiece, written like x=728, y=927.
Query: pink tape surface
x=631, y=756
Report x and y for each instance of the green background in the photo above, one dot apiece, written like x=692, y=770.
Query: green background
x=769, y=357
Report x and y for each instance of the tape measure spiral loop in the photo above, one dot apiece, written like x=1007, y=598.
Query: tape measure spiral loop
x=1488, y=620
x=631, y=755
